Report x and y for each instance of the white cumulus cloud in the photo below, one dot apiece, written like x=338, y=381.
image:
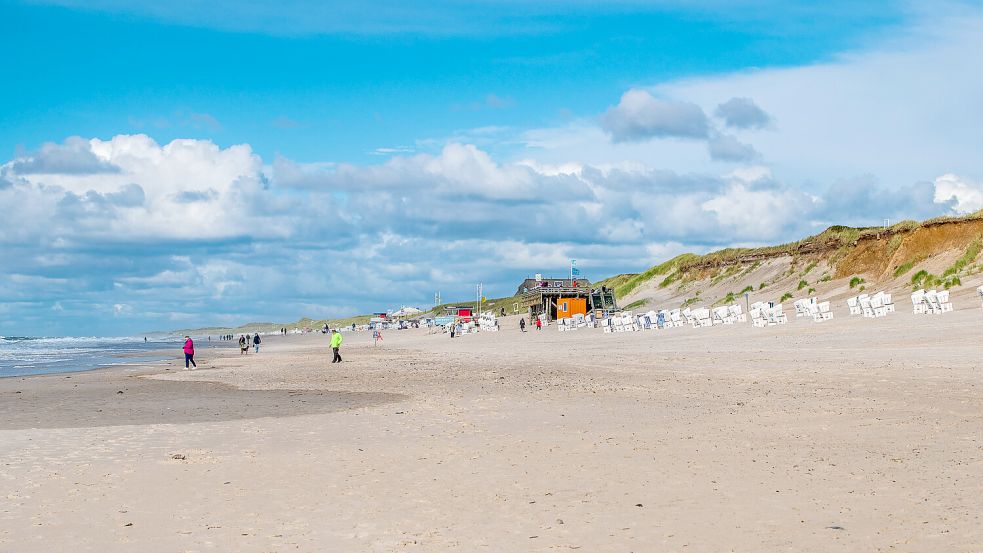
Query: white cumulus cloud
x=964, y=195
x=641, y=116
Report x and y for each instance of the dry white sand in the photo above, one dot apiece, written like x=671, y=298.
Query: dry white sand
x=849, y=435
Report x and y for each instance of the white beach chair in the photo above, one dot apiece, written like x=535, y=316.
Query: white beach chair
x=653, y=320
x=704, y=317
x=721, y=316
x=944, y=302
x=888, y=301
x=776, y=315
x=918, y=303
x=698, y=317
x=813, y=311
x=804, y=307
x=825, y=312
x=853, y=305
x=932, y=299
x=759, y=315
x=677, y=318
x=628, y=322
x=667, y=318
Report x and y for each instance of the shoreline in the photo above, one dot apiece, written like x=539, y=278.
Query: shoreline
x=138, y=394
x=148, y=357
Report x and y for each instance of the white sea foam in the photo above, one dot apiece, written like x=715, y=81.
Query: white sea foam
x=38, y=355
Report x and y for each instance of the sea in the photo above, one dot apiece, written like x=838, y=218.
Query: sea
x=21, y=356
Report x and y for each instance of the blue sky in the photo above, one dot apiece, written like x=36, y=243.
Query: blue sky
x=167, y=166
x=340, y=95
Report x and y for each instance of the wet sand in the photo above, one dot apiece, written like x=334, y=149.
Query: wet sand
x=112, y=397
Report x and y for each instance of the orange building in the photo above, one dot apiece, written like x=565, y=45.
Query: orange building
x=568, y=307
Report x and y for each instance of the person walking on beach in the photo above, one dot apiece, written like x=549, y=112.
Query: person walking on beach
x=539, y=323
x=243, y=345
x=189, y=353
x=256, y=342
x=522, y=324
x=336, y=345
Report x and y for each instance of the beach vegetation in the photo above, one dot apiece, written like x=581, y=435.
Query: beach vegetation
x=811, y=291
x=802, y=284
x=725, y=274
x=785, y=296
x=749, y=269
x=902, y=269
x=632, y=282
x=968, y=256
x=636, y=304
x=856, y=281
x=904, y=226
x=673, y=277
x=731, y=297
x=894, y=244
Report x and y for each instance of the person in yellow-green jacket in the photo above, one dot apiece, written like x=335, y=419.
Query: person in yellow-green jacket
x=336, y=345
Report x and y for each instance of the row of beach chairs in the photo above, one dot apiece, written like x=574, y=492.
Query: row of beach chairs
x=672, y=318
x=766, y=314
x=488, y=323
x=932, y=302
x=818, y=311
x=723, y=315
x=575, y=322
x=877, y=305
x=763, y=314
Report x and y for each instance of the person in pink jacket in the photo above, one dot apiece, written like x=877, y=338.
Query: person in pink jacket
x=189, y=353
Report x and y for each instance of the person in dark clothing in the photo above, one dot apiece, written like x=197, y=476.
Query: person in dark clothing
x=522, y=324
x=256, y=342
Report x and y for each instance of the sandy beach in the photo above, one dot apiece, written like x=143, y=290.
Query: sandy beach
x=849, y=435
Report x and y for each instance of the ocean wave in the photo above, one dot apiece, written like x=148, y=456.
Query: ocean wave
x=63, y=339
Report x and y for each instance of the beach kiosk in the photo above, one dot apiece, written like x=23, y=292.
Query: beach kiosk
x=559, y=298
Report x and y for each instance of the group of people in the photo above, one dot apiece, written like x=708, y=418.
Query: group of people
x=538, y=323
x=245, y=340
x=255, y=341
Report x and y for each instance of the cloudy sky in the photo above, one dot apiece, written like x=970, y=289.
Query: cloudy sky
x=166, y=165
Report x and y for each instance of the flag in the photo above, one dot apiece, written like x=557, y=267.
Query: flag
x=574, y=271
